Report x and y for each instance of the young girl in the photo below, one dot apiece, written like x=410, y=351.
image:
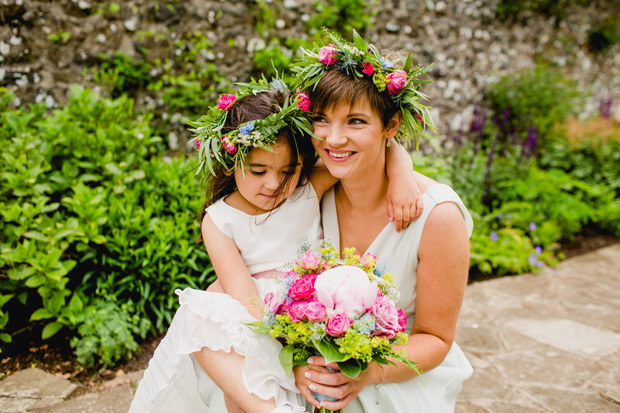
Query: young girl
x=262, y=203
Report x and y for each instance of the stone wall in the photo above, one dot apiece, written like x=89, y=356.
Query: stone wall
x=470, y=48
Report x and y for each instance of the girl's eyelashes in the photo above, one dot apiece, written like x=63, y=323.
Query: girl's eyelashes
x=257, y=173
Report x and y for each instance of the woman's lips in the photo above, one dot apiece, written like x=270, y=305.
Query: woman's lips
x=339, y=155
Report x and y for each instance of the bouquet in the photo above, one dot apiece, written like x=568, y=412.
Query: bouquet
x=340, y=308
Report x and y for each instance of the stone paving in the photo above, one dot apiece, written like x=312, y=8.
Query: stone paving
x=538, y=343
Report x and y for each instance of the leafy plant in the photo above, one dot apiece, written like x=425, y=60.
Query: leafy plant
x=604, y=35
x=61, y=37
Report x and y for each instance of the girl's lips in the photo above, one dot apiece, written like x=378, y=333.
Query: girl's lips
x=339, y=156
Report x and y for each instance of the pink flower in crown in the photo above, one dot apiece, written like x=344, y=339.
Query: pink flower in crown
x=197, y=143
x=327, y=53
x=315, y=311
x=368, y=260
x=226, y=101
x=309, y=260
x=303, y=101
x=386, y=318
x=302, y=288
x=230, y=147
x=396, y=81
x=337, y=324
x=402, y=320
x=368, y=69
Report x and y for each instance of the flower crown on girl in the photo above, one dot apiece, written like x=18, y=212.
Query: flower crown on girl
x=359, y=59
x=231, y=149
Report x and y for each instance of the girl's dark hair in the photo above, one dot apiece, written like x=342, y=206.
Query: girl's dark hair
x=336, y=86
x=257, y=107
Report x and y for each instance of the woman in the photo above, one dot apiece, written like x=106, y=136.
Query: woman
x=357, y=113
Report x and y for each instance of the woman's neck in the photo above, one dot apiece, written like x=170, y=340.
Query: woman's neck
x=365, y=193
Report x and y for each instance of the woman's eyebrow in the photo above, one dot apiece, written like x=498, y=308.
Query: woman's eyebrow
x=357, y=115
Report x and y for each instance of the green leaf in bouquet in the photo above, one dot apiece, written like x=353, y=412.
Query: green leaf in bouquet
x=352, y=367
x=329, y=350
x=286, y=359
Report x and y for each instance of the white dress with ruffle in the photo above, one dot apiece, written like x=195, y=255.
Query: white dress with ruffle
x=397, y=253
x=174, y=381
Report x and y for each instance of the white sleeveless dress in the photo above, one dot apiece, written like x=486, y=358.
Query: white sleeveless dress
x=398, y=254
x=174, y=381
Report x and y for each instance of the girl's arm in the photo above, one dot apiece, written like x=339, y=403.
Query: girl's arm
x=404, y=196
x=233, y=274
x=441, y=281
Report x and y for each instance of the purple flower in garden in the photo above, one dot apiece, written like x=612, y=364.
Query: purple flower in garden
x=532, y=259
x=532, y=226
x=539, y=264
x=605, y=107
x=494, y=236
x=538, y=250
x=498, y=217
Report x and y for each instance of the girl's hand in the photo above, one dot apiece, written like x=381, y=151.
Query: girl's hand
x=315, y=377
x=404, y=202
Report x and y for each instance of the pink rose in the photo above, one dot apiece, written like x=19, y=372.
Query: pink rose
x=309, y=260
x=230, y=147
x=338, y=324
x=368, y=69
x=315, y=311
x=402, y=320
x=297, y=311
x=386, y=318
x=302, y=288
x=396, y=81
x=226, y=101
x=327, y=53
x=197, y=143
x=273, y=302
x=346, y=289
x=303, y=101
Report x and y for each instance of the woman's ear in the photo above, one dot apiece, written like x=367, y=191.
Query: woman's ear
x=393, y=125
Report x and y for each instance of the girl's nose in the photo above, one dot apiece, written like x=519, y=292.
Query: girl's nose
x=272, y=182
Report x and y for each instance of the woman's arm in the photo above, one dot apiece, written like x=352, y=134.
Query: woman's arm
x=321, y=179
x=233, y=274
x=441, y=281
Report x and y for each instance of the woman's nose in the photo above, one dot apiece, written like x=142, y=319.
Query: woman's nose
x=335, y=137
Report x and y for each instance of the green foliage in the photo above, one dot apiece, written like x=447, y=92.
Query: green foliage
x=90, y=209
x=342, y=16
x=106, y=333
x=540, y=97
x=61, y=37
x=515, y=9
x=123, y=74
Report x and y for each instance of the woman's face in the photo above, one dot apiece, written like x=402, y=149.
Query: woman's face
x=352, y=139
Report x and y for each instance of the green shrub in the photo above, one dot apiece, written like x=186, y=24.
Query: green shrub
x=604, y=35
x=92, y=212
x=540, y=98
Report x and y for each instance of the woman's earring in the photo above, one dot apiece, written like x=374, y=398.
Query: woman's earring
x=388, y=143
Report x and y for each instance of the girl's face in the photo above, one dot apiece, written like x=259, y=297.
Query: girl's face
x=260, y=187
x=353, y=139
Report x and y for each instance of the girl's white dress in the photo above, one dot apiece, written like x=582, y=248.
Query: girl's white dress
x=174, y=381
x=398, y=254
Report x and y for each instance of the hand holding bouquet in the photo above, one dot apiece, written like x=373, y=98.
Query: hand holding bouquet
x=343, y=309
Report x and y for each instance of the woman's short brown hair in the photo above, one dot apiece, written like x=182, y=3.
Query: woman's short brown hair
x=336, y=86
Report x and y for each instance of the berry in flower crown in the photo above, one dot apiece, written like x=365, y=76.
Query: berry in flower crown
x=230, y=149
x=398, y=78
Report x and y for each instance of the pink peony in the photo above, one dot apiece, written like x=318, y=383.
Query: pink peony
x=297, y=311
x=346, y=289
x=226, y=101
x=396, y=81
x=230, y=147
x=315, y=311
x=368, y=69
x=402, y=320
x=327, y=53
x=338, y=324
x=309, y=260
x=387, y=321
x=302, y=288
x=303, y=101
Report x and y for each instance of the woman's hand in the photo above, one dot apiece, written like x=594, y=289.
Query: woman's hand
x=315, y=377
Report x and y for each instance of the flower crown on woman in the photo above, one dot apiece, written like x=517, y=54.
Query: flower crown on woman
x=230, y=150
x=359, y=59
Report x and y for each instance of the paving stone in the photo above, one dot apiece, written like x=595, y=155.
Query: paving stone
x=567, y=335
x=35, y=383
x=116, y=400
x=569, y=400
x=15, y=405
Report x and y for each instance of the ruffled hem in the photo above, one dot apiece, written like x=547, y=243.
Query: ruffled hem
x=216, y=321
